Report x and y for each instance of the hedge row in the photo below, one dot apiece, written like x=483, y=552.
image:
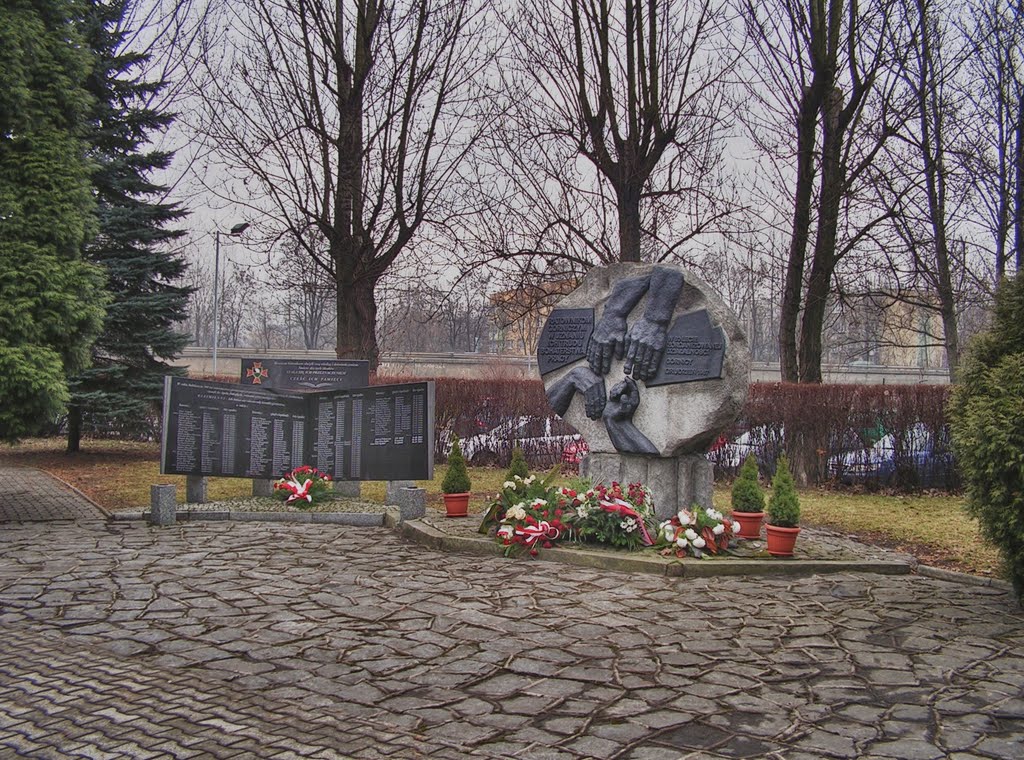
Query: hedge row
x=828, y=430
x=892, y=435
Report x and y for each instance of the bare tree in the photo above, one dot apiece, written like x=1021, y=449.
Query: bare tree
x=996, y=28
x=608, y=139
x=932, y=191
x=349, y=118
x=308, y=294
x=825, y=68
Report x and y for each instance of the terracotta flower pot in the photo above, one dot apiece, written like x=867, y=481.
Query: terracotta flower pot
x=781, y=540
x=750, y=524
x=456, y=504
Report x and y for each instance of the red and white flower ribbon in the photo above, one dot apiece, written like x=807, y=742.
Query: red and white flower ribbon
x=620, y=507
x=534, y=533
x=298, y=491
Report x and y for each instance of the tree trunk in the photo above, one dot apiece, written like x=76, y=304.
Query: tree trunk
x=74, y=429
x=823, y=263
x=629, y=224
x=932, y=155
x=357, y=320
x=790, y=309
x=1018, y=190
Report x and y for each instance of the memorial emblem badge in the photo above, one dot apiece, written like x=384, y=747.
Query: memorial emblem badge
x=257, y=372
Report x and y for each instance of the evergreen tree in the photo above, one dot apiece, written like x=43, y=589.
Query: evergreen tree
x=784, y=504
x=125, y=380
x=985, y=415
x=747, y=495
x=518, y=465
x=456, y=477
x=51, y=301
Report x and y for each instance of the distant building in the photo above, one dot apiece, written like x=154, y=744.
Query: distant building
x=518, y=315
x=882, y=329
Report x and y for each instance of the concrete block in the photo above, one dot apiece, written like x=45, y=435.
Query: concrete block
x=694, y=481
x=163, y=505
x=412, y=503
x=661, y=479
x=195, y=489
x=351, y=489
x=262, y=487
x=392, y=489
x=634, y=469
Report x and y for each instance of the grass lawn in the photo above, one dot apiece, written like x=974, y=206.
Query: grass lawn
x=117, y=475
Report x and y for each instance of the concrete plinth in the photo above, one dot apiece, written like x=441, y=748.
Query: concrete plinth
x=195, y=489
x=163, y=505
x=675, y=482
x=350, y=489
x=393, y=489
x=412, y=503
x=262, y=487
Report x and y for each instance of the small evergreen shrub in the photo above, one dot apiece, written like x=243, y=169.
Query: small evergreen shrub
x=518, y=465
x=985, y=414
x=456, y=478
x=784, y=505
x=747, y=495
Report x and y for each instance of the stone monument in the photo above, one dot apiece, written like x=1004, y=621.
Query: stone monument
x=650, y=365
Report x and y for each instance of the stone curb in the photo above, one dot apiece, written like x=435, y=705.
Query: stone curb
x=425, y=535
x=942, y=574
x=428, y=536
x=359, y=519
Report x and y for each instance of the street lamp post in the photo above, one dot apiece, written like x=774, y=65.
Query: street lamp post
x=238, y=229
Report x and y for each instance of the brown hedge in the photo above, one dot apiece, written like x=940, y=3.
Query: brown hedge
x=823, y=421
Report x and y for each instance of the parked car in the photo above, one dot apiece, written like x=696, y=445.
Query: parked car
x=916, y=458
x=767, y=444
x=544, y=440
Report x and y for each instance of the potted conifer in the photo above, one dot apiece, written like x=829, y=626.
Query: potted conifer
x=783, y=512
x=748, y=500
x=518, y=465
x=456, y=484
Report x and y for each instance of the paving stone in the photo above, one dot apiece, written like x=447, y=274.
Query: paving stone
x=909, y=749
x=241, y=640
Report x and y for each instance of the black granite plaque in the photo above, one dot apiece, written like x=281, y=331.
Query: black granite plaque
x=564, y=338
x=694, y=350
x=231, y=431
x=384, y=432
x=305, y=375
x=378, y=433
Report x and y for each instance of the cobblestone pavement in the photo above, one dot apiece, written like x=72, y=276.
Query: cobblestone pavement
x=281, y=640
x=30, y=494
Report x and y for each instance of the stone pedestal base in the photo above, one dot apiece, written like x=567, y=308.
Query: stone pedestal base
x=412, y=503
x=162, y=505
x=675, y=482
x=351, y=489
x=393, y=489
x=195, y=489
x=262, y=487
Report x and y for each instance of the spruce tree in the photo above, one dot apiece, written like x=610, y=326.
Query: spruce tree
x=518, y=465
x=985, y=416
x=747, y=495
x=124, y=383
x=784, y=504
x=51, y=301
x=456, y=477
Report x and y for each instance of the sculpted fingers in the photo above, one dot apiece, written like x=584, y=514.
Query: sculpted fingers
x=633, y=346
x=594, y=400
